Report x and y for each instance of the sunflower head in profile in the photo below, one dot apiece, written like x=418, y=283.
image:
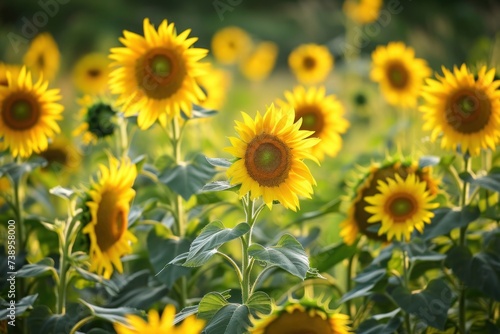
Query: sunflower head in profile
x=464, y=109
x=260, y=62
x=270, y=151
x=61, y=154
x=215, y=84
x=91, y=72
x=362, y=11
x=230, y=45
x=311, y=63
x=14, y=72
x=43, y=57
x=366, y=185
x=156, y=324
x=98, y=119
x=321, y=113
x=28, y=114
x=108, y=204
x=399, y=74
x=304, y=316
x=155, y=74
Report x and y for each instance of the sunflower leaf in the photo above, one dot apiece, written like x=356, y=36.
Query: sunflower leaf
x=219, y=162
x=372, y=326
x=259, y=303
x=332, y=255
x=184, y=313
x=210, y=304
x=42, y=267
x=446, y=219
x=491, y=181
x=230, y=319
x=15, y=171
x=217, y=186
x=21, y=306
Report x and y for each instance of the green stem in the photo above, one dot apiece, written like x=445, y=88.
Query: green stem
x=462, y=242
x=123, y=136
x=80, y=323
x=19, y=216
x=407, y=285
x=260, y=277
x=233, y=264
x=246, y=241
x=349, y=278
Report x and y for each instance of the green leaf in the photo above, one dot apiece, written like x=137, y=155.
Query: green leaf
x=21, y=306
x=41, y=319
x=259, y=304
x=490, y=181
x=184, y=313
x=372, y=326
x=43, y=267
x=16, y=171
x=219, y=162
x=210, y=304
x=231, y=319
x=61, y=192
x=332, y=255
x=446, y=219
x=111, y=314
x=428, y=160
x=288, y=254
x=217, y=186
x=330, y=207
x=87, y=275
x=418, y=250
x=199, y=112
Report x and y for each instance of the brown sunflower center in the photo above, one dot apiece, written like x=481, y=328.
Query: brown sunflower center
x=309, y=62
x=4, y=82
x=94, y=72
x=401, y=207
x=20, y=111
x=40, y=61
x=312, y=119
x=268, y=160
x=55, y=155
x=398, y=75
x=111, y=221
x=468, y=112
x=299, y=322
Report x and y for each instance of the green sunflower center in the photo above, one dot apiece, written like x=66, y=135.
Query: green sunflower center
x=398, y=75
x=468, y=111
x=360, y=99
x=100, y=120
x=312, y=119
x=401, y=207
x=20, y=111
x=309, y=62
x=161, y=66
x=111, y=220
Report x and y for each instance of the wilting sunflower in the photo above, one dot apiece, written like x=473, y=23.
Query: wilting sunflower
x=28, y=114
x=98, y=119
x=464, y=109
x=320, y=113
x=304, y=316
x=4, y=68
x=365, y=185
x=260, y=62
x=311, y=63
x=270, y=153
x=155, y=324
x=400, y=75
x=108, y=206
x=230, y=45
x=362, y=11
x=215, y=83
x=43, y=56
x=401, y=205
x=155, y=74
x=91, y=72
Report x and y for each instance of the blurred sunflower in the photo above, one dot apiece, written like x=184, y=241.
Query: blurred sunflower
x=365, y=185
x=4, y=68
x=155, y=324
x=311, y=63
x=215, y=83
x=91, y=72
x=260, y=62
x=98, y=119
x=108, y=204
x=5, y=189
x=362, y=11
x=401, y=205
x=464, y=109
x=399, y=73
x=43, y=56
x=320, y=113
x=155, y=75
x=230, y=45
x=270, y=153
x=28, y=114
x=61, y=153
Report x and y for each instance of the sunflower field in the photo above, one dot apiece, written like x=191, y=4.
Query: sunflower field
x=260, y=167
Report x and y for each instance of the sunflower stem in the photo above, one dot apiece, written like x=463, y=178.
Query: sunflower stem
x=350, y=266
x=406, y=283
x=123, y=136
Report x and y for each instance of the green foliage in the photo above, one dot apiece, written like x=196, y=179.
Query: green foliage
x=332, y=255
x=230, y=319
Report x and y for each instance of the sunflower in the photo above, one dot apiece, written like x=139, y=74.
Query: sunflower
x=43, y=56
x=4, y=68
x=98, y=119
x=155, y=324
x=270, y=153
x=311, y=63
x=320, y=113
x=91, y=72
x=260, y=62
x=230, y=45
x=61, y=153
x=362, y=11
x=464, y=109
x=215, y=83
x=366, y=185
x=401, y=205
x=108, y=206
x=28, y=114
x=399, y=73
x=155, y=75
x=5, y=189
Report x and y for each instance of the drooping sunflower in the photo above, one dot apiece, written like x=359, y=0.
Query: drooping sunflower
x=108, y=204
x=311, y=63
x=402, y=205
x=29, y=114
x=270, y=154
x=91, y=72
x=321, y=113
x=4, y=68
x=215, y=83
x=464, y=109
x=98, y=119
x=230, y=45
x=362, y=11
x=155, y=74
x=157, y=324
x=365, y=185
x=399, y=74
x=43, y=57
x=260, y=62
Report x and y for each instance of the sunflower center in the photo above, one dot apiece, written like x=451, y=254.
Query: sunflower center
x=468, y=112
x=55, y=156
x=111, y=221
x=4, y=82
x=401, y=207
x=299, y=322
x=100, y=120
x=161, y=66
x=94, y=72
x=40, y=61
x=312, y=119
x=20, y=112
x=360, y=99
x=309, y=62
x=397, y=75
x=268, y=160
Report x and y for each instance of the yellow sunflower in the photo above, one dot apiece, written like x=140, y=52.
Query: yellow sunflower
x=215, y=84
x=108, y=206
x=311, y=63
x=260, y=62
x=400, y=75
x=97, y=117
x=230, y=45
x=43, y=56
x=401, y=205
x=91, y=72
x=464, y=109
x=5, y=189
x=28, y=114
x=270, y=153
x=155, y=324
x=4, y=68
x=155, y=74
x=320, y=113
x=362, y=11
x=61, y=153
